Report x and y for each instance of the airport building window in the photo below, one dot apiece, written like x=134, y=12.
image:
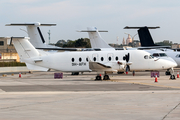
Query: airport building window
x=80, y=59
x=87, y=59
x=1, y=43
x=116, y=58
x=72, y=59
x=102, y=59
x=94, y=58
x=109, y=58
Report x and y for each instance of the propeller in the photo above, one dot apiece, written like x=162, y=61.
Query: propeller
x=125, y=63
x=126, y=57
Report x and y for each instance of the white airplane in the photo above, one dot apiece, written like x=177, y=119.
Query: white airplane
x=99, y=61
x=148, y=43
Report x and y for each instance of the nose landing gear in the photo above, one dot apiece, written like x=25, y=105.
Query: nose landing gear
x=172, y=77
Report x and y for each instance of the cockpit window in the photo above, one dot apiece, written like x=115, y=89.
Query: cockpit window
x=148, y=57
x=156, y=55
x=159, y=55
x=151, y=57
x=162, y=54
x=178, y=55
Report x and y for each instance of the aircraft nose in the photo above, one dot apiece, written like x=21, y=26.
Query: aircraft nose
x=171, y=63
x=174, y=64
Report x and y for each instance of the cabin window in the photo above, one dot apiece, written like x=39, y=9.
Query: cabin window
x=94, y=58
x=102, y=59
x=87, y=59
x=116, y=58
x=72, y=59
x=80, y=59
x=146, y=57
x=109, y=58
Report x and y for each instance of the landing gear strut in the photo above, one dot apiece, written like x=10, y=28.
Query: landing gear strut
x=172, y=77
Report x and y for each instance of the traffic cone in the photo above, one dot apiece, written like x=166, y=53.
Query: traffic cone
x=156, y=80
x=178, y=74
x=126, y=72
x=19, y=74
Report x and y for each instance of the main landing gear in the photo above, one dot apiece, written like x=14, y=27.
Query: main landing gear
x=99, y=77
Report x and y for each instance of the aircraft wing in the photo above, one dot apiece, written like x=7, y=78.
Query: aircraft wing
x=98, y=66
x=71, y=49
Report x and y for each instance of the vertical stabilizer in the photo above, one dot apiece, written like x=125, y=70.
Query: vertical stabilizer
x=145, y=37
x=24, y=48
x=95, y=38
x=34, y=32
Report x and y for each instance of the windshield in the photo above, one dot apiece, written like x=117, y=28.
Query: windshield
x=162, y=54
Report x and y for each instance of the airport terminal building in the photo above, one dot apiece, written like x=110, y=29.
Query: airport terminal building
x=7, y=51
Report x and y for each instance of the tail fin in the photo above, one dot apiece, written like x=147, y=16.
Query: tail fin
x=144, y=35
x=34, y=32
x=24, y=48
x=95, y=38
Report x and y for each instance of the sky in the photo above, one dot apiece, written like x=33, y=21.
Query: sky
x=111, y=15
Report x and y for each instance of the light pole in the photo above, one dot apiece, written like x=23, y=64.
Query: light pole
x=49, y=33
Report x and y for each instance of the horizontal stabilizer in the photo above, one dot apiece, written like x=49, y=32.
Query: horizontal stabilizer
x=30, y=24
x=34, y=67
x=93, y=31
x=153, y=47
x=127, y=27
x=14, y=37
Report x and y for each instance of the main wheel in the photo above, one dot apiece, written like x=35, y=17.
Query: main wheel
x=106, y=77
x=98, y=78
x=172, y=77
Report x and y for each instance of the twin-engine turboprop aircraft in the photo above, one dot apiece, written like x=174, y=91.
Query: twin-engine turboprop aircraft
x=99, y=61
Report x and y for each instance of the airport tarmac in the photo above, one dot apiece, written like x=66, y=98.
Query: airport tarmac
x=124, y=97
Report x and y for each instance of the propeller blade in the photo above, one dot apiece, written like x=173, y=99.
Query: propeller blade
x=127, y=59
